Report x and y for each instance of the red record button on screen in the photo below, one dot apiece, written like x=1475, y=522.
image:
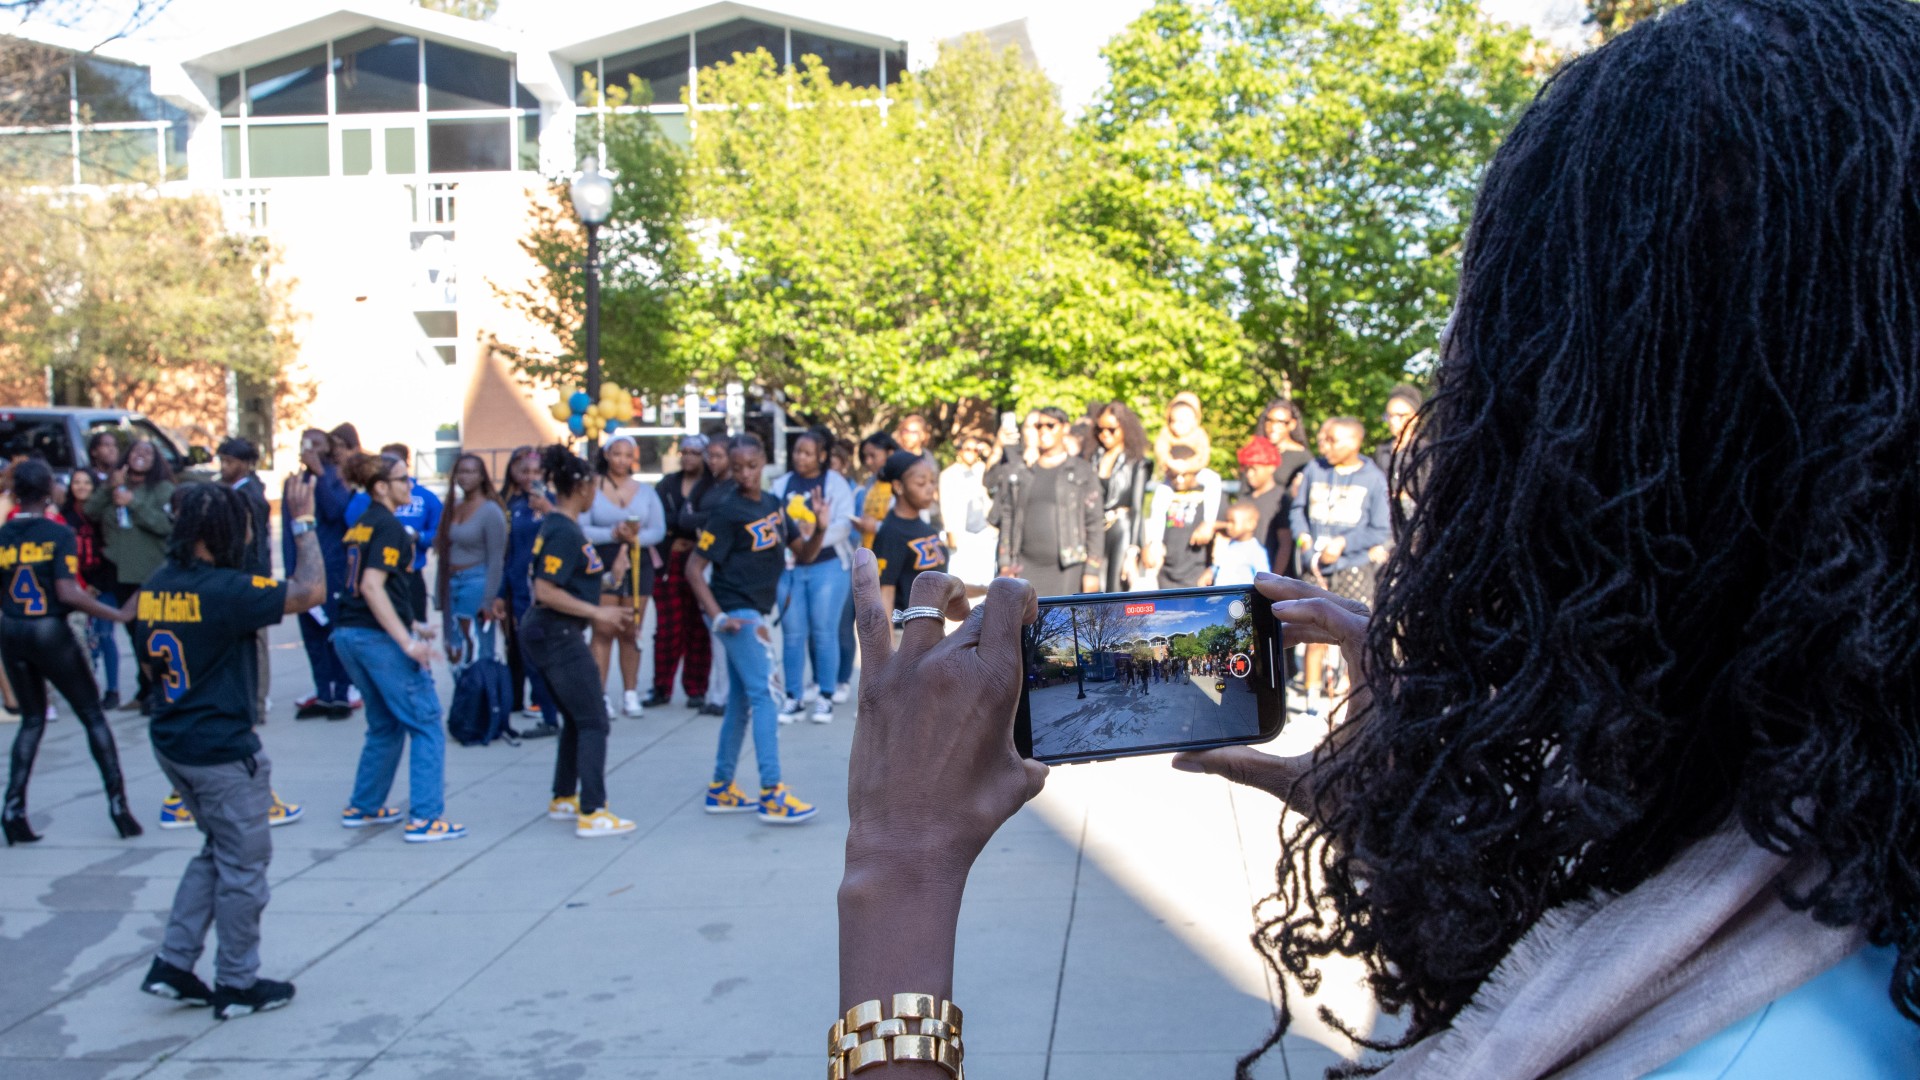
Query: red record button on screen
x=1241, y=665
x=1140, y=609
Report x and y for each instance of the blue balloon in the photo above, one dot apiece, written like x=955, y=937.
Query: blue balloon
x=579, y=403
x=577, y=423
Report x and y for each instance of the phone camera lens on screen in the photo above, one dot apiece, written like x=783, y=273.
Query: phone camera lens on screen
x=1120, y=676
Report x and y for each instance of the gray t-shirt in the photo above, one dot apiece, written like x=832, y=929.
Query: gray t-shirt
x=481, y=540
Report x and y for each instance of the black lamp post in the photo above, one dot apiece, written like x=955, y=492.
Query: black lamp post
x=592, y=195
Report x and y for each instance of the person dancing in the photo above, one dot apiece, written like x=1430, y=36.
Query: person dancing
x=40, y=560
x=678, y=634
x=567, y=570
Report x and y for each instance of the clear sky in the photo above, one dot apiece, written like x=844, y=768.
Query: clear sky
x=1067, y=34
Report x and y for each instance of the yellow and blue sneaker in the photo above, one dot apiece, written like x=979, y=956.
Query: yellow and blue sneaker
x=602, y=822
x=355, y=818
x=174, y=813
x=282, y=812
x=423, y=831
x=567, y=809
x=779, y=807
x=727, y=798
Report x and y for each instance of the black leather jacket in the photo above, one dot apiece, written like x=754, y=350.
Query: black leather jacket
x=1126, y=490
x=1080, y=523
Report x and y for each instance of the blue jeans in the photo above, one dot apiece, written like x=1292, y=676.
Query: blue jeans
x=466, y=599
x=749, y=669
x=106, y=650
x=811, y=598
x=330, y=682
x=402, y=711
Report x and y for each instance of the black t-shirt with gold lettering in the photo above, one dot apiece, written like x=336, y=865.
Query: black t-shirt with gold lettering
x=746, y=541
x=34, y=554
x=907, y=548
x=379, y=542
x=195, y=628
x=562, y=555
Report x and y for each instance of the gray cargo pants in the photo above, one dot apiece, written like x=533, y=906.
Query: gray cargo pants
x=225, y=886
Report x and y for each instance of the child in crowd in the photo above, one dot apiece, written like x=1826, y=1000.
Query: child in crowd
x=906, y=545
x=1243, y=555
x=1178, y=537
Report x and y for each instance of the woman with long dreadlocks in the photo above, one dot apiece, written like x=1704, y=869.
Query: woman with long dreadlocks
x=1592, y=814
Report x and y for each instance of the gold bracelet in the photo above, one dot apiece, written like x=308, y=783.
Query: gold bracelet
x=922, y=1028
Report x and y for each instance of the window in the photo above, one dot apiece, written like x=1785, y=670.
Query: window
x=109, y=91
x=662, y=66
x=38, y=157
x=846, y=62
x=47, y=435
x=229, y=94
x=469, y=146
x=230, y=152
x=290, y=86
x=356, y=152
x=530, y=142
x=717, y=45
x=458, y=79
x=119, y=157
x=287, y=150
x=896, y=65
x=675, y=127
x=376, y=71
x=400, y=151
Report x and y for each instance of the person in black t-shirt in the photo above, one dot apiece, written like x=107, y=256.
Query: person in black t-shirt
x=197, y=619
x=906, y=545
x=386, y=649
x=566, y=574
x=237, y=457
x=678, y=633
x=39, y=566
x=745, y=540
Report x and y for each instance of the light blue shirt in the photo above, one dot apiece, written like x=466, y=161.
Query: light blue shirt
x=1239, y=561
x=1839, y=1025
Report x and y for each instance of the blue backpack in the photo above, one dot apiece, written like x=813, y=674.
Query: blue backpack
x=482, y=701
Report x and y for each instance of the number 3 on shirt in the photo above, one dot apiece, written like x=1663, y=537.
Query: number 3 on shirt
x=26, y=591
x=164, y=646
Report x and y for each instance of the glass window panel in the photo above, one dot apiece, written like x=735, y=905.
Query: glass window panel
x=530, y=142
x=469, y=146
x=439, y=324
x=675, y=127
x=41, y=158
x=896, y=64
x=400, y=152
x=846, y=62
x=34, y=87
x=524, y=98
x=356, y=152
x=718, y=44
x=662, y=66
x=376, y=71
x=230, y=94
x=458, y=79
x=286, y=150
x=230, y=151
x=109, y=92
x=290, y=86
x=449, y=355
x=177, y=150
x=119, y=157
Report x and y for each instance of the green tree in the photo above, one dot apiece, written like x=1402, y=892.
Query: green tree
x=870, y=260
x=645, y=254
x=480, y=10
x=138, y=302
x=1612, y=17
x=1308, y=166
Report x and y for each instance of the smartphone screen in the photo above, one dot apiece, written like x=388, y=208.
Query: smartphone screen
x=1116, y=675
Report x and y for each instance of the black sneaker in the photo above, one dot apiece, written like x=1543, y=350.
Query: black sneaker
x=110, y=701
x=338, y=710
x=541, y=731
x=264, y=994
x=165, y=980
x=312, y=710
x=655, y=700
x=697, y=702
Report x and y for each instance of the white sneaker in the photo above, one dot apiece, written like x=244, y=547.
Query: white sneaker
x=812, y=695
x=843, y=693
x=353, y=698
x=822, y=712
x=602, y=822
x=632, y=702
x=793, y=710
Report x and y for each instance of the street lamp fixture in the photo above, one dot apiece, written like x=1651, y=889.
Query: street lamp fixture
x=592, y=193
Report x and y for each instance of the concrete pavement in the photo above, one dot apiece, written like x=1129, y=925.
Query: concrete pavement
x=1105, y=933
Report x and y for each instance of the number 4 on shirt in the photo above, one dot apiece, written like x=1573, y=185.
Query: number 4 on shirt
x=164, y=646
x=26, y=592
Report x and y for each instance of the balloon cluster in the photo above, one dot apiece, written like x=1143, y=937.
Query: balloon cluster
x=585, y=416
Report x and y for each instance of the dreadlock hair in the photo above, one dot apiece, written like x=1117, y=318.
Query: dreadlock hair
x=210, y=514
x=1669, y=472
x=563, y=469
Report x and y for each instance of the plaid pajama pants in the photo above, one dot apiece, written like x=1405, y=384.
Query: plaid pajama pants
x=679, y=632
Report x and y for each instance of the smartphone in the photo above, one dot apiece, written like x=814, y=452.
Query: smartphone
x=1122, y=674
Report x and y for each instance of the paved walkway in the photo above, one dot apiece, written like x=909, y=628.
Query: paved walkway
x=1104, y=935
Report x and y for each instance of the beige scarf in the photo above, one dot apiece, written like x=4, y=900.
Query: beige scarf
x=1618, y=986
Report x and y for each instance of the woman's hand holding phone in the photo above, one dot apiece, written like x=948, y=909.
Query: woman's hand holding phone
x=1307, y=615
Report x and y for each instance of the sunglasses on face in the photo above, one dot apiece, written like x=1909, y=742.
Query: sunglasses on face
x=1045, y=425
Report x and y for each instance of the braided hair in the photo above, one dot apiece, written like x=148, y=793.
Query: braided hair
x=1669, y=473
x=564, y=470
x=210, y=514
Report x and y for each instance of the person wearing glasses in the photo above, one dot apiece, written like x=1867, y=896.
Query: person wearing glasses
x=1049, y=513
x=387, y=650
x=1125, y=474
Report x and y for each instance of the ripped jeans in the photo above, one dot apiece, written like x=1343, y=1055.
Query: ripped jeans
x=749, y=695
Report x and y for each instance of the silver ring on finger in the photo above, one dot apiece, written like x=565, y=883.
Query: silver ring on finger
x=902, y=618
